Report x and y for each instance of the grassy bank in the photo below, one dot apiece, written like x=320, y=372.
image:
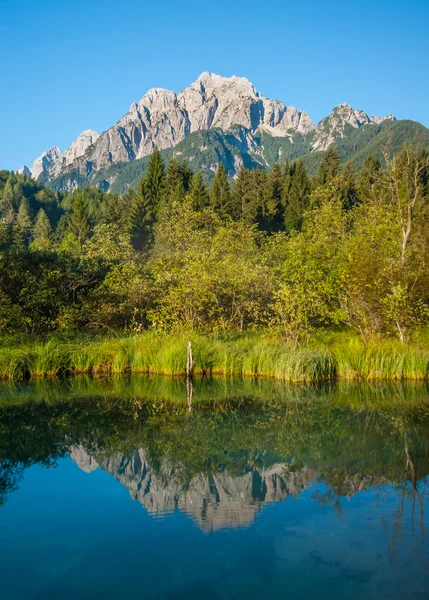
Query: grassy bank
x=240, y=356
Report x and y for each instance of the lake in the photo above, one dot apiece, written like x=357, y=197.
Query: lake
x=151, y=488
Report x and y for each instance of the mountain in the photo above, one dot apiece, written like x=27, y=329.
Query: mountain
x=215, y=119
x=53, y=161
x=214, y=500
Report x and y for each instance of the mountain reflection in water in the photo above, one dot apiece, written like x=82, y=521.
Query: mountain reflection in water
x=345, y=470
x=214, y=500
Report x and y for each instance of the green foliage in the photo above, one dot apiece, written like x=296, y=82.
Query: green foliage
x=275, y=251
x=296, y=196
x=42, y=232
x=154, y=182
x=220, y=193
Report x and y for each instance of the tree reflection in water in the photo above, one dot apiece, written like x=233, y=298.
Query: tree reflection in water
x=219, y=451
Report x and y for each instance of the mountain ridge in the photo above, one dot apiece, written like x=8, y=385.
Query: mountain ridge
x=254, y=130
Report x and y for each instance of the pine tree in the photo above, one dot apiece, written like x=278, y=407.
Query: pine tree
x=198, y=192
x=42, y=232
x=8, y=203
x=272, y=206
x=174, y=188
x=368, y=177
x=299, y=195
x=187, y=175
x=348, y=187
x=116, y=209
x=154, y=183
x=23, y=219
x=329, y=168
x=79, y=219
x=258, y=184
x=243, y=207
x=220, y=193
x=19, y=239
x=142, y=217
x=286, y=183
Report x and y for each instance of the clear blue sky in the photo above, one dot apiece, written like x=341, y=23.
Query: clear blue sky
x=68, y=65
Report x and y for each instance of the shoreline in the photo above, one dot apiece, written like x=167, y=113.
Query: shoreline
x=254, y=356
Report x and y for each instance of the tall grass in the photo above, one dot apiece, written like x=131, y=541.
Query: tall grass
x=248, y=355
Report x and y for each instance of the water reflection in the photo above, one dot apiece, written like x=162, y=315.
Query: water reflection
x=214, y=500
x=233, y=448
x=250, y=489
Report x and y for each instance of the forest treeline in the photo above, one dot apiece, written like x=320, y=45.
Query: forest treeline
x=276, y=250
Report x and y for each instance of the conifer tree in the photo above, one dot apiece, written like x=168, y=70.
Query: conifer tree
x=348, y=187
x=198, y=192
x=258, y=183
x=8, y=204
x=23, y=219
x=154, y=183
x=79, y=219
x=329, y=168
x=117, y=209
x=142, y=217
x=286, y=183
x=174, y=188
x=187, y=175
x=42, y=232
x=243, y=206
x=220, y=193
x=19, y=239
x=299, y=195
x=368, y=177
x=272, y=206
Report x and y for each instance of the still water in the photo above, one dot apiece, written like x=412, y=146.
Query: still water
x=144, y=488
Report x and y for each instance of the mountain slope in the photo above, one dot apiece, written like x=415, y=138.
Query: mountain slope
x=204, y=150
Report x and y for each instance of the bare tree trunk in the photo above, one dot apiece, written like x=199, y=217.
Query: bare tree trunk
x=189, y=361
x=189, y=393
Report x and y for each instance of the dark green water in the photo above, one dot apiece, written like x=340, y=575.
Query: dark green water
x=138, y=488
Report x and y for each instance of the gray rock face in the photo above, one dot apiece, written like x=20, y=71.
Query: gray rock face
x=77, y=149
x=24, y=171
x=163, y=118
x=45, y=161
x=54, y=161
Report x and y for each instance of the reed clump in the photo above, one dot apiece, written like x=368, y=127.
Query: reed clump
x=246, y=355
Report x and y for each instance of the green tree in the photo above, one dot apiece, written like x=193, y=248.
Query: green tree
x=298, y=197
x=329, y=168
x=78, y=223
x=244, y=207
x=272, y=208
x=174, y=188
x=220, y=193
x=154, y=182
x=142, y=217
x=369, y=177
x=23, y=219
x=348, y=186
x=42, y=232
x=198, y=192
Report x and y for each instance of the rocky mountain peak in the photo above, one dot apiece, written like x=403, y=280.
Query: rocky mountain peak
x=331, y=128
x=44, y=161
x=211, y=82
x=24, y=170
x=80, y=145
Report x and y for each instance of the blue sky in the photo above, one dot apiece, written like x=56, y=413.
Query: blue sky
x=70, y=65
